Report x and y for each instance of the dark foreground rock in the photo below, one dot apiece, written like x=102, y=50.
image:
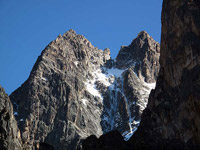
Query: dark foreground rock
x=9, y=133
x=172, y=114
x=112, y=140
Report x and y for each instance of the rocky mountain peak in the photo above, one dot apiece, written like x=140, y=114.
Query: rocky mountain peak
x=71, y=34
x=143, y=55
x=71, y=31
x=76, y=90
x=143, y=35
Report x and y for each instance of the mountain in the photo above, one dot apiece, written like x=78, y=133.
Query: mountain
x=76, y=90
x=171, y=119
x=9, y=133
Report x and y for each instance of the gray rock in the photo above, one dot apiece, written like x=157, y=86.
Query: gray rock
x=142, y=55
x=76, y=90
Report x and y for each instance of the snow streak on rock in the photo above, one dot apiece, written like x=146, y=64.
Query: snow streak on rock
x=112, y=80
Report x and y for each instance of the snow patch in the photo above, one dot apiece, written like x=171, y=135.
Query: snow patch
x=127, y=135
x=103, y=78
x=76, y=63
x=84, y=101
x=17, y=106
x=21, y=120
x=44, y=79
x=91, y=87
x=150, y=85
x=107, y=79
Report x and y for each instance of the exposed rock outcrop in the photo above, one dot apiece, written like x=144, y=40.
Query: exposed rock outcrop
x=143, y=56
x=9, y=133
x=76, y=90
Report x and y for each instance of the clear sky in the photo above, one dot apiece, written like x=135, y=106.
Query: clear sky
x=28, y=26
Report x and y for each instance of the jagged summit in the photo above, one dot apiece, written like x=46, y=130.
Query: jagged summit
x=143, y=52
x=143, y=35
x=72, y=35
x=71, y=31
x=76, y=90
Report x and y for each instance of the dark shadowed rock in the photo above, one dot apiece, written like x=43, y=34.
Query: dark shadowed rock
x=112, y=140
x=9, y=133
x=172, y=116
x=44, y=146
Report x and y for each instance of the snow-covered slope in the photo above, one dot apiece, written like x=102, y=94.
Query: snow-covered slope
x=107, y=84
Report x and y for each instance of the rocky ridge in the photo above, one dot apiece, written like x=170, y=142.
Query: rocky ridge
x=76, y=90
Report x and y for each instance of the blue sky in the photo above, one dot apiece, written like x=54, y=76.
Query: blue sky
x=28, y=26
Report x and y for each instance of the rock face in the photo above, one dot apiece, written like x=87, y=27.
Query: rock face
x=143, y=55
x=76, y=90
x=172, y=116
x=9, y=133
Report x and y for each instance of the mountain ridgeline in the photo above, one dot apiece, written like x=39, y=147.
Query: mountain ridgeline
x=76, y=90
x=77, y=97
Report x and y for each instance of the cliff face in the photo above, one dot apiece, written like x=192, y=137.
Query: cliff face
x=76, y=90
x=9, y=133
x=172, y=115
